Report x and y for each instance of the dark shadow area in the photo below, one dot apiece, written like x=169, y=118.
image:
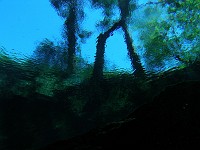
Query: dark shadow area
x=170, y=121
x=158, y=111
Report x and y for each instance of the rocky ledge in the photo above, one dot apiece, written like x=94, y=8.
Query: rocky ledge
x=171, y=121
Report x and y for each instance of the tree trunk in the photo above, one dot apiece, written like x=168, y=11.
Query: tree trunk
x=70, y=24
x=135, y=61
x=99, y=58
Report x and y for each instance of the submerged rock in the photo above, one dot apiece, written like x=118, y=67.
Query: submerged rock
x=171, y=121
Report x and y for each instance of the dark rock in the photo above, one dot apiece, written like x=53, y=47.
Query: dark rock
x=27, y=121
x=171, y=121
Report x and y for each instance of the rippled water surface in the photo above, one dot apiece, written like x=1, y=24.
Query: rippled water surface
x=114, y=56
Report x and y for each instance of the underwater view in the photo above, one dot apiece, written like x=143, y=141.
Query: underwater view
x=99, y=74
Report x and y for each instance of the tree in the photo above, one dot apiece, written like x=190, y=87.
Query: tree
x=49, y=55
x=169, y=34
x=124, y=7
x=152, y=35
x=185, y=30
x=160, y=41
x=72, y=11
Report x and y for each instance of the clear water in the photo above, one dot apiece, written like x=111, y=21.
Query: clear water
x=105, y=59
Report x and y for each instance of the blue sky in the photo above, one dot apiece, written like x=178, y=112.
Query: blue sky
x=24, y=23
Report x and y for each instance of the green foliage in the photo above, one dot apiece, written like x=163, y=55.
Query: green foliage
x=48, y=83
x=169, y=34
x=16, y=76
x=43, y=73
x=104, y=3
x=113, y=10
x=83, y=35
x=51, y=60
x=49, y=55
x=152, y=33
x=117, y=101
x=77, y=104
x=185, y=30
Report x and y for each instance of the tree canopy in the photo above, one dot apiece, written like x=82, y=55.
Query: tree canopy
x=159, y=35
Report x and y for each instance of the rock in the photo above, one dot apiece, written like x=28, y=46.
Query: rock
x=171, y=121
x=24, y=120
